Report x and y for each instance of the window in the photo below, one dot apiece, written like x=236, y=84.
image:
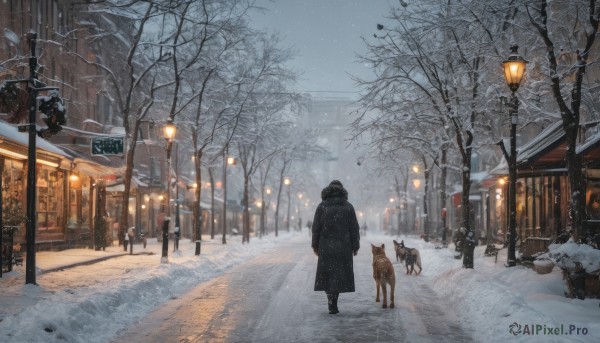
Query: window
x=50, y=190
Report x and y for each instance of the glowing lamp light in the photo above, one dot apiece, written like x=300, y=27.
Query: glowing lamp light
x=514, y=68
x=287, y=181
x=169, y=130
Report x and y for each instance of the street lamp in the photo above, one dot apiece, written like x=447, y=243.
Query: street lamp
x=288, y=182
x=514, y=69
x=169, y=131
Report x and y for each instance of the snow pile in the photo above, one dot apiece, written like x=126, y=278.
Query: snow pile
x=510, y=304
x=565, y=256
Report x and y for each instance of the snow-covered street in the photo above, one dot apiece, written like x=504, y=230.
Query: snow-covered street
x=271, y=299
x=262, y=292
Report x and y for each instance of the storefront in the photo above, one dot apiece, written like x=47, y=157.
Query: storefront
x=65, y=189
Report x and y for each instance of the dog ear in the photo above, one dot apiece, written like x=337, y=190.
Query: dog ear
x=395, y=243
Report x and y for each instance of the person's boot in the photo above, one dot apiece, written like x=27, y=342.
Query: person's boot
x=332, y=303
x=335, y=299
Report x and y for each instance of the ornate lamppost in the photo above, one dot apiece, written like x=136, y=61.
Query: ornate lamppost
x=514, y=69
x=169, y=131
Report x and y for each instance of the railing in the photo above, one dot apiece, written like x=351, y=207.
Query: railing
x=534, y=245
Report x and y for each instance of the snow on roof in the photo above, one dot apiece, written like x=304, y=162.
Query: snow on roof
x=589, y=143
x=11, y=132
x=551, y=135
x=479, y=176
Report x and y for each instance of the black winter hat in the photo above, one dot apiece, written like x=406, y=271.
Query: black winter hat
x=336, y=183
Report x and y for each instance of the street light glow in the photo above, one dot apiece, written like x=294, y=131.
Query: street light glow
x=514, y=69
x=169, y=131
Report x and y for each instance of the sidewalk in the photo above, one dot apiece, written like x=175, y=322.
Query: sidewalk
x=55, y=261
x=52, y=261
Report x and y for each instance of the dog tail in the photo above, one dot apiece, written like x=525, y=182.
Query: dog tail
x=419, y=262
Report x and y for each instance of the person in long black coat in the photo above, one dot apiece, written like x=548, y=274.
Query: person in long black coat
x=335, y=239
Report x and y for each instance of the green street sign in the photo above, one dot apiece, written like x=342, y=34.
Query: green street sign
x=107, y=146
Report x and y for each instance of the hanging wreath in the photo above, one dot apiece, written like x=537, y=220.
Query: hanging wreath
x=13, y=100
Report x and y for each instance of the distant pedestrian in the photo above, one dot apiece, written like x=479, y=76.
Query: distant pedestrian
x=160, y=219
x=335, y=239
x=125, y=241
x=130, y=236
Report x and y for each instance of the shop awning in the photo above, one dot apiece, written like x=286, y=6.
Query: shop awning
x=94, y=169
x=14, y=144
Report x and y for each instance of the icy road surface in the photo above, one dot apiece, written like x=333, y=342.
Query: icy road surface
x=270, y=299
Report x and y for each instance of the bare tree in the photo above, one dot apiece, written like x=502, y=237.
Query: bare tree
x=578, y=20
x=438, y=64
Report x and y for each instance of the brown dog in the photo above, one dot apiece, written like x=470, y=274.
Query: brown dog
x=383, y=273
x=411, y=255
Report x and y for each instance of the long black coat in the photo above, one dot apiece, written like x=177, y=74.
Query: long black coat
x=335, y=236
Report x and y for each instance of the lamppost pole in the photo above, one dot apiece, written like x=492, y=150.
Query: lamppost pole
x=512, y=176
x=177, y=219
x=169, y=131
x=30, y=277
x=224, y=220
x=198, y=226
x=514, y=69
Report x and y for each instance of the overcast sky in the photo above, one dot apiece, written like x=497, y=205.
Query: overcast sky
x=327, y=35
